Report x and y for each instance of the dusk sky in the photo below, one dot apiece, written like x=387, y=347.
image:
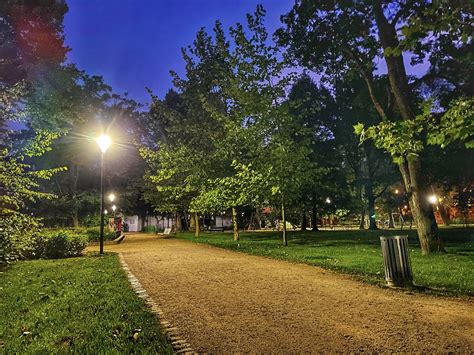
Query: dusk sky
x=134, y=44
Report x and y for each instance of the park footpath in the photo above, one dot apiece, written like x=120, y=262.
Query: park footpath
x=220, y=301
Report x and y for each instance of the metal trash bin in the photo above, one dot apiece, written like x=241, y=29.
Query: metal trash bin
x=397, y=261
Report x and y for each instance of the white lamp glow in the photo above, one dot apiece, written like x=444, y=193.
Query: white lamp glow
x=111, y=197
x=114, y=208
x=432, y=199
x=328, y=200
x=104, y=142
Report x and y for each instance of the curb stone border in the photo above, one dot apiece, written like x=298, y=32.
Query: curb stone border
x=179, y=345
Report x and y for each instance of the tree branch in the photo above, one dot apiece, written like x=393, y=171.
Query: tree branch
x=369, y=81
x=376, y=196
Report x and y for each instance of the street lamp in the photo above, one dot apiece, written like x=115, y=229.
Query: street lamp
x=112, y=197
x=104, y=142
x=432, y=199
x=328, y=200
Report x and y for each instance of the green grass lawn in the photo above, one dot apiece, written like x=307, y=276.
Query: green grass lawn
x=82, y=305
x=358, y=253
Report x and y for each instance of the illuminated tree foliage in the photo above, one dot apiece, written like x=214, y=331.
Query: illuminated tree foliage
x=340, y=36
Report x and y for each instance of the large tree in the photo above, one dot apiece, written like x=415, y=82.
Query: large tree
x=31, y=47
x=337, y=36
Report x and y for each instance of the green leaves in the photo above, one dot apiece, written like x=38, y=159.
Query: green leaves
x=234, y=139
x=41, y=143
x=456, y=124
x=402, y=138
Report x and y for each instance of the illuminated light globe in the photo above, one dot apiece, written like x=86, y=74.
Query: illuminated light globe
x=328, y=200
x=104, y=142
x=114, y=208
x=111, y=197
x=432, y=199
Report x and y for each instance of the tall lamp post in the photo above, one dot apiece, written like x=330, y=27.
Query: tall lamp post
x=104, y=143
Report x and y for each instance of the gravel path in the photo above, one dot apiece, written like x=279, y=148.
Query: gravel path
x=223, y=301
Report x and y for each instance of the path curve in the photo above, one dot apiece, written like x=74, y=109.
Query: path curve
x=224, y=301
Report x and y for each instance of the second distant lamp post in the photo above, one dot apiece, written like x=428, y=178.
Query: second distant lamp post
x=104, y=143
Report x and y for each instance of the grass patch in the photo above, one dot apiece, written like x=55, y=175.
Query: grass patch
x=82, y=305
x=359, y=253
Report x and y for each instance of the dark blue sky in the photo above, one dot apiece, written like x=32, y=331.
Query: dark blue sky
x=134, y=43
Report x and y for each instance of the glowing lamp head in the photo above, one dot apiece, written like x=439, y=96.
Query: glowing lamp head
x=111, y=197
x=397, y=191
x=104, y=142
x=105, y=212
x=432, y=199
x=328, y=200
x=114, y=208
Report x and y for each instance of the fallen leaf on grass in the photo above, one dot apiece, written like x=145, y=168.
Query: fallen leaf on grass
x=135, y=336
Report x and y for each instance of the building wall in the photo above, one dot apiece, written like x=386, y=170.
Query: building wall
x=134, y=223
x=223, y=221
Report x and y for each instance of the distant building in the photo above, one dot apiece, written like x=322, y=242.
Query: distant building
x=136, y=224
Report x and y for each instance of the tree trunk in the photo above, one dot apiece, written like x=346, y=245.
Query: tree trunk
x=258, y=216
x=192, y=222
x=369, y=192
x=444, y=215
x=369, y=188
x=314, y=219
x=391, y=222
x=283, y=218
x=196, y=224
x=362, y=219
x=75, y=219
x=421, y=209
x=185, y=226
x=304, y=222
x=235, y=223
x=177, y=223
x=410, y=167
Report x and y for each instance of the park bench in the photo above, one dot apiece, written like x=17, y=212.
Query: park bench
x=120, y=238
x=216, y=229
x=166, y=232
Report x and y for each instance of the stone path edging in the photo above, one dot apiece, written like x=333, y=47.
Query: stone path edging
x=179, y=345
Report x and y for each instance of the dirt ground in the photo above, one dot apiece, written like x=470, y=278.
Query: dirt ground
x=223, y=301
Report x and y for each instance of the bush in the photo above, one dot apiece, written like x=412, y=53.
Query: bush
x=16, y=233
x=77, y=244
x=93, y=233
x=91, y=220
x=150, y=229
x=55, y=244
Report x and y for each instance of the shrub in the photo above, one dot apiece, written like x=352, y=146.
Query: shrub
x=77, y=244
x=93, y=233
x=55, y=244
x=16, y=234
x=8, y=252
x=150, y=229
x=91, y=220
